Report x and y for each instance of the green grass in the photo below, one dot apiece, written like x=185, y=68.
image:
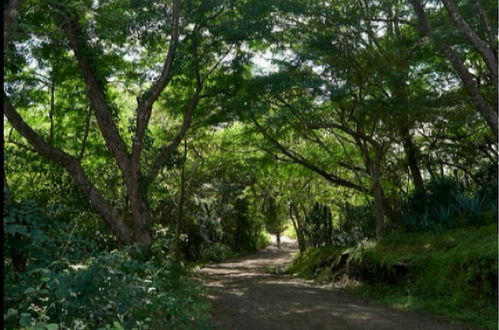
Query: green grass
x=453, y=273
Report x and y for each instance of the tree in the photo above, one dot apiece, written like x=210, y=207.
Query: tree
x=97, y=35
x=362, y=98
x=487, y=50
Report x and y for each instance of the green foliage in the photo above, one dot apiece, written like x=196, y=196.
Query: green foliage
x=357, y=223
x=315, y=262
x=443, y=203
x=274, y=216
x=453, y=273
x=216, y=252
x=429, y=207
x=300, y=133
x=69, y=284
x=91, y=294
x=290, y=231
x=486, y=180
x=318, y=226
x=39, y=238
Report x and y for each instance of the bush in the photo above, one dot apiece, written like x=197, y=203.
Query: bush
x=486, y=179
x=443, y=203
x=357, y=223
x=216, y=252
x=112, y=287
x=453, y=273
x=32, y=237
x=432, y=207
x=318, y=226
x=67, y=284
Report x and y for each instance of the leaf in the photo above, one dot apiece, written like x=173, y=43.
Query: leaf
x=52, y=326
x=25, y=320
x=17, y=229
x=117, y=325
x=29, y=290
x=10, y=312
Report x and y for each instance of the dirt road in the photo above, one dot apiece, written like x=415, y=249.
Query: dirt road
x=247, y=296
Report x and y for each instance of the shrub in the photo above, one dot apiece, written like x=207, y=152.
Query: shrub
x=357, y=223
x=444, y=203
x=216, y=252
x=453, y=273
x=34, y=238
x=486, y=179
x=318, y=226
x=112, y=287
x=432, y=207
x=67, y=284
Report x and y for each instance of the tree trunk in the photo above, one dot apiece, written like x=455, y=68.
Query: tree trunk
x=178, y=220
x=482, y=47
x=73, y=166
x=293, y=215
x=487, y=110
x=412, y=160
x=141, y=217
x=373, y=165
x=95, y=86
x=374, y=171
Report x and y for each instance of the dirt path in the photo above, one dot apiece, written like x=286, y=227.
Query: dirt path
x=246, y=295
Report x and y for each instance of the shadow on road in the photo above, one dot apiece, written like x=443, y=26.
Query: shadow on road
x=246, y=295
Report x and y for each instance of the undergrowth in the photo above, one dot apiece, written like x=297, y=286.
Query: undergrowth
x=452, y=273
x=63, y=281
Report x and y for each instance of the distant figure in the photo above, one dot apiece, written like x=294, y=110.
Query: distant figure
x=278, y=239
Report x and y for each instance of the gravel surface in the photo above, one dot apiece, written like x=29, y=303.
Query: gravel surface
x=247, y=294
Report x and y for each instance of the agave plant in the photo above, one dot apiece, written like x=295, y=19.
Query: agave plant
x=472, y=206
x=445, y=215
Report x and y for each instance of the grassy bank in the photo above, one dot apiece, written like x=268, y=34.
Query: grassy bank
x=452, y=273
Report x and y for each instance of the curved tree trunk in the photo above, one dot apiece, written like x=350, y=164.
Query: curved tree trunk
x=73, y=166
x=487, y=110
x=293, y=215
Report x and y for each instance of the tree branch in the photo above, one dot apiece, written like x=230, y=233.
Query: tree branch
x=73, y=166
x=301, y=160
x=85, y=136
x=487, y=111
x=480, y=45
x=491, y=33
x=168, y=149
x=9, y=19
x=144, y=107
x=93, y=86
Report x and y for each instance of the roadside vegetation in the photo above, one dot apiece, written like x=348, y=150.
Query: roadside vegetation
x=144, y=137
x=446, y=265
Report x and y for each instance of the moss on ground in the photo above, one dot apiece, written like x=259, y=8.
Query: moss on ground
x=452, y=273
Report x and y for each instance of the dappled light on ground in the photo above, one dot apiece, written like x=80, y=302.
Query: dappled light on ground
x=249, y=293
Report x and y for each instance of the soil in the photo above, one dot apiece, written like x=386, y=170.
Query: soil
x=249, y=293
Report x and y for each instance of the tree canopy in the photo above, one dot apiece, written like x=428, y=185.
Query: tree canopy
x=142, y=136
x=142, y=112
